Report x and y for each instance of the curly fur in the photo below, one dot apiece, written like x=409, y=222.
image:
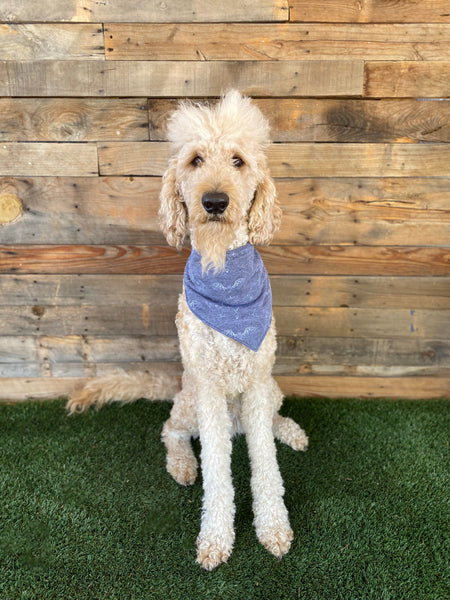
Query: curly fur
x=226, y=387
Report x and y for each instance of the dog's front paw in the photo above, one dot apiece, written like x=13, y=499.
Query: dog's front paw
x=289, y=432
x=213, y=550
x=276, y=539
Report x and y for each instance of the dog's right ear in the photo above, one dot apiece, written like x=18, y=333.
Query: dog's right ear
x=172, y=211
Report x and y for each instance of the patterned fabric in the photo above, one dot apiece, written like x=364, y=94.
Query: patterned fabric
x=236, y=302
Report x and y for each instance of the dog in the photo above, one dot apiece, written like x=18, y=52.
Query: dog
x=217, y=189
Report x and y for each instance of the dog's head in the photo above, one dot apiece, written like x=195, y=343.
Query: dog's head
x=217, y=186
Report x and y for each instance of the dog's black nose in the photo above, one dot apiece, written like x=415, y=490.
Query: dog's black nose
x=215, y=203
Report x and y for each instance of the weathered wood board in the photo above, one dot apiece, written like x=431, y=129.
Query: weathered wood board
x=283, y=41
x=370, y=11
x=187, y=78
x=338, y=120
x=149, y=11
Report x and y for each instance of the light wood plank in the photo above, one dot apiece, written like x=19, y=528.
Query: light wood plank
x=420, y=388
x=370, y=11
x=280, y=260
x=338, y=120
x=298, y=160
x=29, y=159
x=187, y=78
x=57, y=41
x=149, y=11
x=73, y=119
x=283, y=41
x=361, y=322
x=407, y=79
x=414, y=388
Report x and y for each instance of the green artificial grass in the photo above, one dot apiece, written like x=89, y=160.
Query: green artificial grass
x=88, y=510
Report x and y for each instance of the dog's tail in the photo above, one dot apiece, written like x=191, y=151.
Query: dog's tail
x=122, y=387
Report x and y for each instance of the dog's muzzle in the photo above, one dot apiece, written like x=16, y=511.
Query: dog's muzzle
x=215, y=203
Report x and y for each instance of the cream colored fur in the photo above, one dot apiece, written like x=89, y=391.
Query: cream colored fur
x=226, y=387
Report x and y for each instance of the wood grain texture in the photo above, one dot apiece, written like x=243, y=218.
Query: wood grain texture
x=370, y=11
x=57, y=41
x=159, y=320
x=282, y=41
x=298, y=159
x=124, y=210
x=288, y=290
x=414, y=388
x=187, y=78
x=73, y=119
x=19, y=389
x=407, y=79
x=149, y=11
x=338, y=120
x=410, y=261
x=29, y=159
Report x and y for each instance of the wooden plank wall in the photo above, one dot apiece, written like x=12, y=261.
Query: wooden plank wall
x=358, y=98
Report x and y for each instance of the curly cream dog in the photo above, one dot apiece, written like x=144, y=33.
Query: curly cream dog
x=217, y=188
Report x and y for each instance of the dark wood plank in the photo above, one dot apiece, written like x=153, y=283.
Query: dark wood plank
x=149, y=11
x=73, y=119
x=279, y=260
x=407, y=79
x=56, y=41
x=187, y=78
x=370, y=11
x=288, y=290
x=283, y=41
x=338, y=120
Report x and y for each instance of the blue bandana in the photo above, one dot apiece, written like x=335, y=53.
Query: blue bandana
x=236, y=302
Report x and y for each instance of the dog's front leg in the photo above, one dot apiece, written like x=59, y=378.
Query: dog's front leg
x=216, y=538
x=271, y=517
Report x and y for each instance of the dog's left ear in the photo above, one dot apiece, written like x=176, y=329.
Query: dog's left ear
x=265, y=214
x=172, y=211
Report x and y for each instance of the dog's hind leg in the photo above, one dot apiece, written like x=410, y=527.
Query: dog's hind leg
x=271, y=518
x=285, y=429
x=176, y=435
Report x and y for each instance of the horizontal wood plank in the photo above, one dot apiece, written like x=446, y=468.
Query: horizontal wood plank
x=298, y=159
x=283, y=41
x=187, y=78
x=158, y=320
x=73, y=119
x=56, y=41
x=29, y=159
x=370, y=11
x=19, y=389
x=123, y=210
x=149, y=11
x=414, y=388
x=287, y=290
x=338, y=120
x=279, y=260
x=407, y=79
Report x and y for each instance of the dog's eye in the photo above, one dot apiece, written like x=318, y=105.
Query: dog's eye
x=197, y=161
x=238, y=162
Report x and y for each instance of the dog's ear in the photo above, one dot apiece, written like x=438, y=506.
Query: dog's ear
x=172, y=211
x=265, y=214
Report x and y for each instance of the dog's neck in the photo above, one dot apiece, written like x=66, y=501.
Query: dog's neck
x=212, y=252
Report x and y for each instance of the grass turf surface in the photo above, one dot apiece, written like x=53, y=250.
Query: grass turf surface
x=88, y=510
